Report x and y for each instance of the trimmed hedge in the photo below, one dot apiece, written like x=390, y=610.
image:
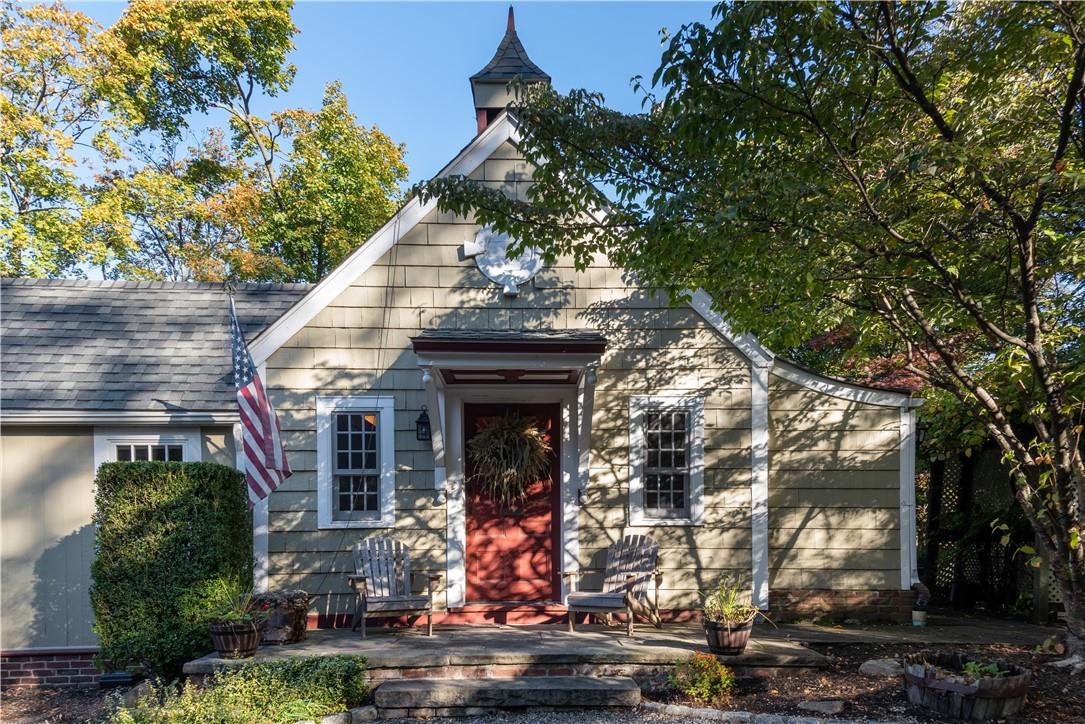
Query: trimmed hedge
x=163, y=531
x=279, y=691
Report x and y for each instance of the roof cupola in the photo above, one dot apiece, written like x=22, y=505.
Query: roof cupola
x=489, y=86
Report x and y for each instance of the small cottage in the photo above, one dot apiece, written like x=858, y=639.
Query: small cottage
x=660, y=420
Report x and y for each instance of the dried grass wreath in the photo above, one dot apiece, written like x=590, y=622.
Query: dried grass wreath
x=509, y=453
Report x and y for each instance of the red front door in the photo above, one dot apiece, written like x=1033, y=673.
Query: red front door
x=510, y=552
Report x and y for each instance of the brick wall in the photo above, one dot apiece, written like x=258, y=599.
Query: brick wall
x=789, y=604
x=74, y=669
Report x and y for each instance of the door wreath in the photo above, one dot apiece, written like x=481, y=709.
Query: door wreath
x=509, y=453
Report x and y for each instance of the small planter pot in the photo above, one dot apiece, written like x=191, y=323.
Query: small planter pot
x=727, y=639
x=235, y=640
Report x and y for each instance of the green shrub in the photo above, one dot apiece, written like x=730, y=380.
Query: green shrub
x=163, y=530
x=703, y=678
x=280, y=691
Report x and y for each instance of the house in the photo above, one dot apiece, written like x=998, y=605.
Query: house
x=663, y=420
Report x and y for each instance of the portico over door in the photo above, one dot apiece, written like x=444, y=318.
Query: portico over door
x=549, y=373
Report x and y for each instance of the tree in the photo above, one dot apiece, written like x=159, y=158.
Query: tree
x=281, y=198
x=51, y=109
x=319, y=183
x=909, y=172
x=338, y=183
x=184, y=217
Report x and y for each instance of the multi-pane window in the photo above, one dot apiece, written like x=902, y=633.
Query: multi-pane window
x=666, y=463
x=356, y=472
x=355, y=462
x=132, y=452
x=666, y=460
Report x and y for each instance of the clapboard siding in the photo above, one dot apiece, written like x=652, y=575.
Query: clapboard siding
x=834, y=491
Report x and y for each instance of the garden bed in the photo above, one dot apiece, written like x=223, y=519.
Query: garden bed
x=1055, y=695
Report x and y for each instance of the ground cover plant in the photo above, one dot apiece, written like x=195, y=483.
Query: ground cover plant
x=280, y=691
x=163, y=532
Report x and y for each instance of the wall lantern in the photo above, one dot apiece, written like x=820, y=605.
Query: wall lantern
x=421, y=426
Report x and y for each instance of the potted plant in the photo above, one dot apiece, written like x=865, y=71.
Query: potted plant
x=728, y=618
x=226, y=605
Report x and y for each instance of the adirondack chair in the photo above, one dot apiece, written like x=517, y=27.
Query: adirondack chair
x=382, y=579
x=631, y=564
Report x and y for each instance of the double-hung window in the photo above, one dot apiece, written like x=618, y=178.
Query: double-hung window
x=355, y=462
x=666, y=456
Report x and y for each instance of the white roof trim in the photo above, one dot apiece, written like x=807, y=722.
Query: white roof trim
x=759, y=356
x=294, y=320
x=120, y=417
x=843, y=390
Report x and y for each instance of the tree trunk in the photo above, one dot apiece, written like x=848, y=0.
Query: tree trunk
x=1073, y=602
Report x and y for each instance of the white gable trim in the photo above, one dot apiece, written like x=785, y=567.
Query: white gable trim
x=402, y=222
x=759, y=356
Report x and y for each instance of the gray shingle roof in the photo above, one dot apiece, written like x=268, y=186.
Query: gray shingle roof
x=91, y=345
x=510, y=61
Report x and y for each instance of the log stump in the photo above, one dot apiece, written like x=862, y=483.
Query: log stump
x=287, y=615
x=937, y=682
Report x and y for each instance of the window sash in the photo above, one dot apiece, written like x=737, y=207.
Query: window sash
x=667, y=462
x=149, y=451
x=356, y=464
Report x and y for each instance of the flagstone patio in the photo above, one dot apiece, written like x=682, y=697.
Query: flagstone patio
x=499, y=651
x=495, y=650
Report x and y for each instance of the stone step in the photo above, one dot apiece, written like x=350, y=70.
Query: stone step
x=558, y=691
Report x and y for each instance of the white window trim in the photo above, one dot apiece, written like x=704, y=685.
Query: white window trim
x=637, y=407
x=107, y=438
x=325, y=408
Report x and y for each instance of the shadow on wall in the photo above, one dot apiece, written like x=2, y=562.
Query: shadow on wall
x=61, y=591
x=319, y=561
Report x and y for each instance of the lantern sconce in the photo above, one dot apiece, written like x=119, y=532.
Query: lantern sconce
x=422, y=431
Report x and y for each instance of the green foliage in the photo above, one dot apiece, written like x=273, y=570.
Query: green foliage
x=338, y=183
x=728, y=603
x=281, y=691
x=905, y=176
x=163, y=530
x=977, y=670
x=703, y=679
x=283, y=198
x=50, y=110
x=170, y=59
x=222, y=599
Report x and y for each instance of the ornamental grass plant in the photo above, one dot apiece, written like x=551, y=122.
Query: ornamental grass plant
x=509, y=454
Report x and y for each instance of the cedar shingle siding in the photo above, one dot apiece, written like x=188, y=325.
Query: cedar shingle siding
x=838, y=472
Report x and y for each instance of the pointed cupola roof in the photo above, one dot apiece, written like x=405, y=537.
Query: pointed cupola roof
x=510, y=61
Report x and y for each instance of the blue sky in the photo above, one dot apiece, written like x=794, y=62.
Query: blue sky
x=404, y=65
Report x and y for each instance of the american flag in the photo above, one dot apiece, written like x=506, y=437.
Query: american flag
x=265, y=460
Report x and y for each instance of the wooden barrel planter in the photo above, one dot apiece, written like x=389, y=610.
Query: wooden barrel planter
x=936, y=682
x=727, y=639
x=235, y=640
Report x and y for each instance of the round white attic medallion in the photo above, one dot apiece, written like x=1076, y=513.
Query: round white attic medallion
x=490, y=250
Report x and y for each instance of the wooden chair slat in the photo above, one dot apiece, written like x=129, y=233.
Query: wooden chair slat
x=386, y=565
x=633, y=555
